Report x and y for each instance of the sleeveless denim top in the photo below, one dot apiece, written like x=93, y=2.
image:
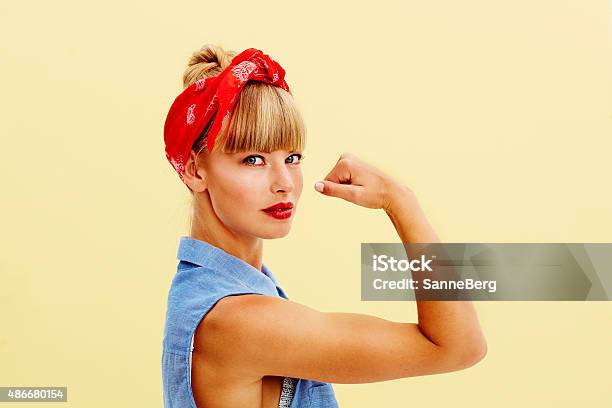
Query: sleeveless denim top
x=205, y=274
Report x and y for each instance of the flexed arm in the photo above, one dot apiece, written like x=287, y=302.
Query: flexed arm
x=260, y=335
x=451, y=325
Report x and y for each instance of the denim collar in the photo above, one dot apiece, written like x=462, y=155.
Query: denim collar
x=204, y=254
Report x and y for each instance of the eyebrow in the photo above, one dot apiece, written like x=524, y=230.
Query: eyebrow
x=260, y=152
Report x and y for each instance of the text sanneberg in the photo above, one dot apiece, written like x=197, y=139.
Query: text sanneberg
x=384, y=263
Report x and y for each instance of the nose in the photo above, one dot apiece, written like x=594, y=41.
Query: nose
x=281, y=180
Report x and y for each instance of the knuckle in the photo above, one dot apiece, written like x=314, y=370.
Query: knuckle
x=351, y=193
x=346, y=155
x=345, y=161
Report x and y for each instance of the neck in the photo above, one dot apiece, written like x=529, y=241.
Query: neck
x=206, y=226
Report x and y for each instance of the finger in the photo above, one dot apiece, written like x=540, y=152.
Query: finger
x=345, y=191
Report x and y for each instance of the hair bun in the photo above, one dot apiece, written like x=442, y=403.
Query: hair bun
x=208, y=61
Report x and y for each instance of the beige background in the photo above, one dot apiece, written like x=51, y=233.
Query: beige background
x=497, y=114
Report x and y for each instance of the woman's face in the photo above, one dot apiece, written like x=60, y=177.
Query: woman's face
x=242, y=185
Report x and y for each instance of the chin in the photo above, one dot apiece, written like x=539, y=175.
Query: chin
x=275, y=233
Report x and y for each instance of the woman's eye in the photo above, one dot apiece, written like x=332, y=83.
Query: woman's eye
x=299, y=158
x=251, y=160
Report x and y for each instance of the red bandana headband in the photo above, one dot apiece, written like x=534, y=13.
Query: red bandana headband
x=193, y=109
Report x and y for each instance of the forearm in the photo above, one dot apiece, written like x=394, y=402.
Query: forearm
x=452, y=325
x=408, y=218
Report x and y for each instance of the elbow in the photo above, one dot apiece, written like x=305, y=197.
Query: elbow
x=468, y=355
x=472, y=354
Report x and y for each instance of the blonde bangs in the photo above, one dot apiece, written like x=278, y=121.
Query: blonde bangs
x=265, y=118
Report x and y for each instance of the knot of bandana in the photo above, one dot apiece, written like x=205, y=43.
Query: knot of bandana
x=193, y=109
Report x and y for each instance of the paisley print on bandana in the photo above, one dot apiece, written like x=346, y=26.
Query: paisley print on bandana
x=194, y=108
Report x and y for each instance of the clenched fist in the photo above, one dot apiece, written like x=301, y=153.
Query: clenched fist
x=356, y=181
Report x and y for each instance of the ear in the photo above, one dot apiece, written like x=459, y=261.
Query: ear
x=194, y=177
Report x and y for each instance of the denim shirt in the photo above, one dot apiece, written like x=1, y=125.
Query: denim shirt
x=205, y=274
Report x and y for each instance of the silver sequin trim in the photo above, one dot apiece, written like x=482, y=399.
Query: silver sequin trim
x=287, y=392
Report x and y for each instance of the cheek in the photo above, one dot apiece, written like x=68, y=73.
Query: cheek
x=298, y=182
x=236, y=194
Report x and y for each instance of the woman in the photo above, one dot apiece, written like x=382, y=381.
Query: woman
x=232, y=338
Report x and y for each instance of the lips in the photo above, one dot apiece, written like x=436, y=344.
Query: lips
x=280, y=206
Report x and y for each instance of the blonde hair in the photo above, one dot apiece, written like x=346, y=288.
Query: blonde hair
x=265, y=117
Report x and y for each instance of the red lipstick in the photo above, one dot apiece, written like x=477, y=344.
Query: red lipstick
x=280, y=210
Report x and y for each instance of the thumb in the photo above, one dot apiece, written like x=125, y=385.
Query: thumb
x=344, y=191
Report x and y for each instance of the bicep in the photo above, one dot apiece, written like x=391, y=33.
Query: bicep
x=264, y=335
